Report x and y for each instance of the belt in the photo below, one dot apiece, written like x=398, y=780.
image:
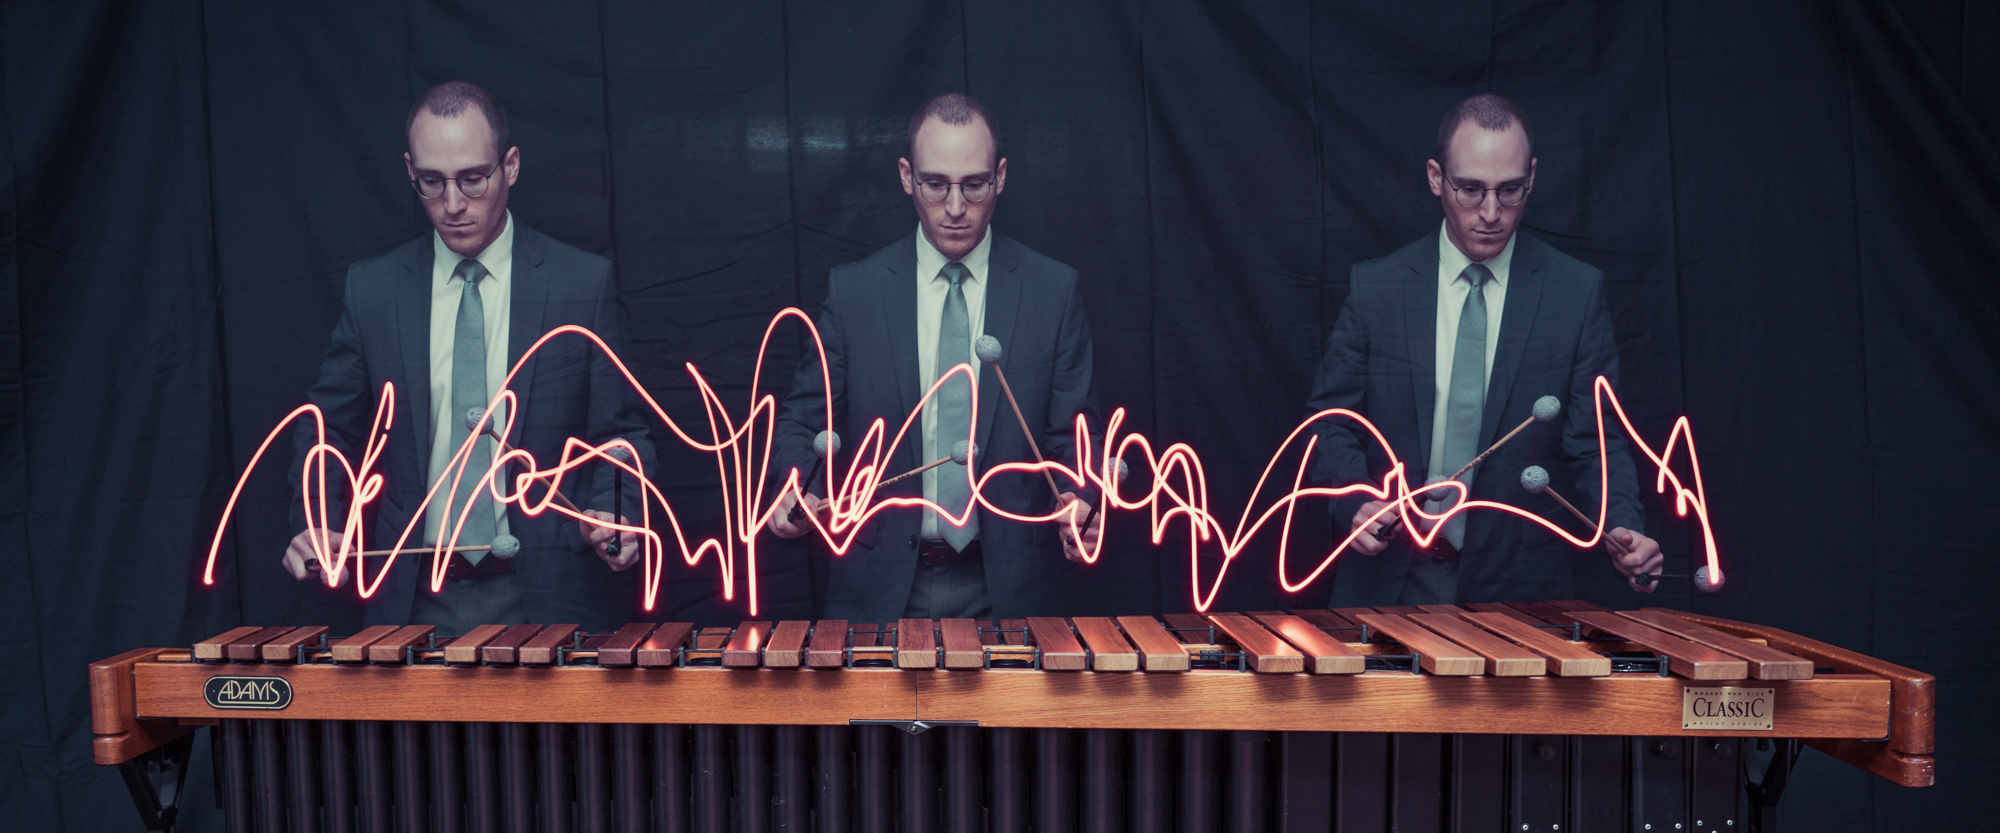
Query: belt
x=938, y=553
x=488, y=567
x=1439, y=550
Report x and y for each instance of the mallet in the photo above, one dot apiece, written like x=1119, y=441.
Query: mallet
x=1394, y=524
x=474, y=421
x=1124, y=471
x=617, y=452
x=504, y=546
x=825, y=445
x=1536, y=479
x=988, y=349
x=961, y=453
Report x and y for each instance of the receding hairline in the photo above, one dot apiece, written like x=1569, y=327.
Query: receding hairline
x=452, y=99
x=957, y=110
x=1491, y=112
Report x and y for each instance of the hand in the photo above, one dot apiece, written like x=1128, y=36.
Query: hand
x=300, y=552
x=1634, y=554
x=1074, y=549
x=781, y=524
x=598, y=536
x=1370, y=542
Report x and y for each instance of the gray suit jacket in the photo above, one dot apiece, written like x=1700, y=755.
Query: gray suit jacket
x=869, y=326
x=568, y=389
x=1381, y=360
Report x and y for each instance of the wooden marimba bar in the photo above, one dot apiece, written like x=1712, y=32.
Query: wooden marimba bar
x=1529, y=716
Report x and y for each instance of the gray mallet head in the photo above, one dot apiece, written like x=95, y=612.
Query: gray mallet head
x=618, y=452
x=826, y=444
x=988, y=349
x=1439, y=494
x=472, y=416
x=1701, y=580
x=1546, y=408
x=1124, y=471
x=506, y=546
x=1535, y=479
x=962, y=452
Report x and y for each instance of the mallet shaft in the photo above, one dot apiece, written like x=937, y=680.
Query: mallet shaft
x=1492, y=448
x=914, y=472
x=1025, y=430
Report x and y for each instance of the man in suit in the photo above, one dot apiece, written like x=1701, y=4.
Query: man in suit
x=1445, y=345
x=443, y=317
x=894, y=323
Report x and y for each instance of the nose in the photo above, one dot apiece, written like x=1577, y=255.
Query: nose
x=1489, y=206
x=954, y=200
x=454, y=199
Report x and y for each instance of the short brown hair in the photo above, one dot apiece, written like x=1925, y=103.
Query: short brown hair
x=451, y=98
x=951, y=108
x=1490, y=111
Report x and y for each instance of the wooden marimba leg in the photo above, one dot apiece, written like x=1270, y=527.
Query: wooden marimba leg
x=1149, y=791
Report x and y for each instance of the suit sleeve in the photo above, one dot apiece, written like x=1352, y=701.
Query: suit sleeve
x=614, y=409
x=1072, y=389
x=347, y=405
x=1343, y=383
x=805, y=412
x=1597, y=355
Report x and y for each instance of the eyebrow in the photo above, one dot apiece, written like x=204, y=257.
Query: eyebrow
x=472, y=170
x=1519, y=180
x=987, y=174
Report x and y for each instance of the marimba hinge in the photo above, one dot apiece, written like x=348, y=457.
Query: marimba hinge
x=914, y=727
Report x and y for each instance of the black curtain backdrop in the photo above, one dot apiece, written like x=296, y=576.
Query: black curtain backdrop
x=1793, y=203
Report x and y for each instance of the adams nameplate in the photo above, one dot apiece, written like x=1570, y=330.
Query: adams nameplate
x=264, y=693
x=1728, y=708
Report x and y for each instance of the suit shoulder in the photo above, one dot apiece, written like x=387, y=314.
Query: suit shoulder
x=1555, y=264
x=380, y=272
x=562, y=254
x=1032, y=263
x=876, y=266
x=1389, y=271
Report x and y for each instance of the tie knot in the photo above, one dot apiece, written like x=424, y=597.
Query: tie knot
x=955, y=272
x=469, y=270
x=1476, y=274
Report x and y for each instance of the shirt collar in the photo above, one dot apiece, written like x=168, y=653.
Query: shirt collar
x=930, y=261
x=497, y=257
x=1451, y=261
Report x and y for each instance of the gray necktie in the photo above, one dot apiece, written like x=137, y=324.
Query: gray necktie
x=1466, y=403
x=954, y=406
x=468, y=392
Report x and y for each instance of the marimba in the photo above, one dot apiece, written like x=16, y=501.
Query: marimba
x=1554, y=716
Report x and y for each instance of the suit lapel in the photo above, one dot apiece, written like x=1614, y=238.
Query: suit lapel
x=413, y=324
x=529, y=301
x=899, y=320
x=1420, y=298
x=1524, y=298
x=1003, y=302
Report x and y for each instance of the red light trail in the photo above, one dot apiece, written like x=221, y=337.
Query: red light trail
x=742, y=451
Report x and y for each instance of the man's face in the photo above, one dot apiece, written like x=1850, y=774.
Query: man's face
x=1483, y=159
x=946, y=154
x=459, y=146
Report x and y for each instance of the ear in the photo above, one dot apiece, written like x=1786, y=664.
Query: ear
x=1531, y=173
x=409, y=166
x=1000, y=176
x=909, y=180
x=511, y=163
x=1435, y=172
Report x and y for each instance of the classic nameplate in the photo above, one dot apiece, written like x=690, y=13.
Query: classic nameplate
x=266, y=693
x=1729, y=708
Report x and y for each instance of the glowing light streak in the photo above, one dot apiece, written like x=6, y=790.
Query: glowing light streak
x=742, y=449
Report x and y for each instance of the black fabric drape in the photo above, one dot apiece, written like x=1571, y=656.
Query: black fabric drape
x=1792, y=203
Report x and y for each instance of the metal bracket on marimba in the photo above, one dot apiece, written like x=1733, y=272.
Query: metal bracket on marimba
x=172, y=759
x=915, y=727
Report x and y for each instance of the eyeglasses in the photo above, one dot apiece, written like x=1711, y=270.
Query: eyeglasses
x=472, y=185
x=1470, y=194
x=935, y=189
